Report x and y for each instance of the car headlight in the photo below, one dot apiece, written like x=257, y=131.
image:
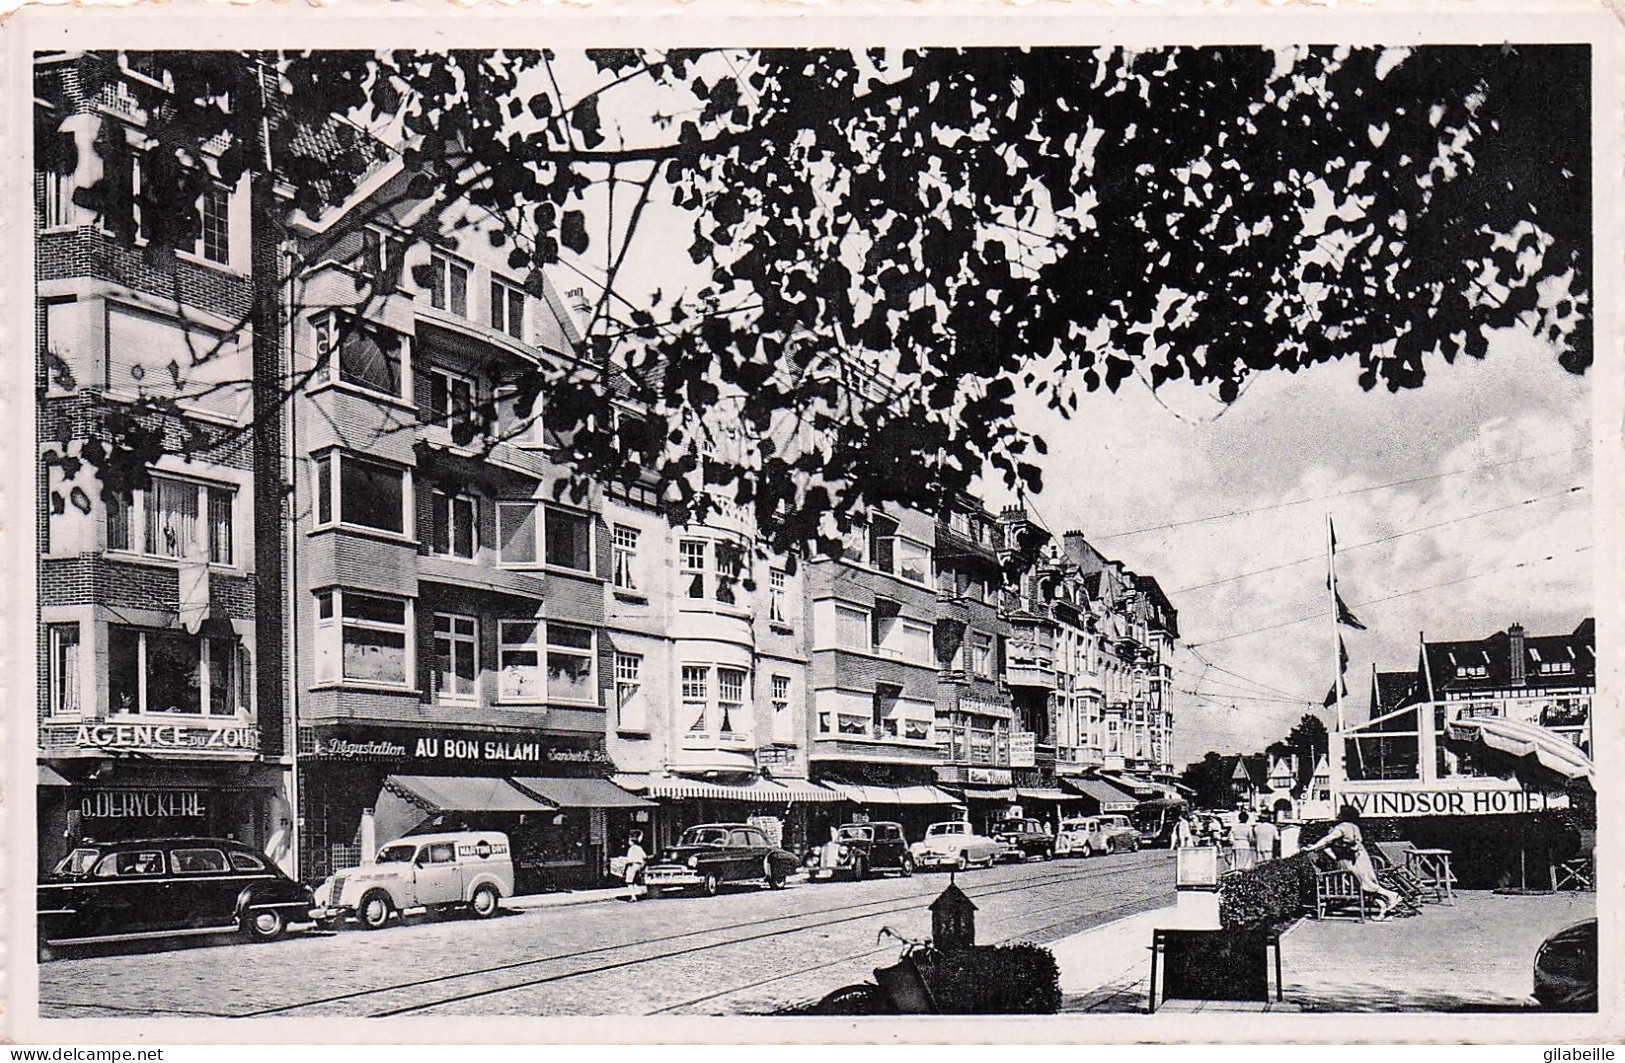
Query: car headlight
x=693, y=861
x=841, y=850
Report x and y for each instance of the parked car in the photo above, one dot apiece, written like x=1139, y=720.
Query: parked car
x=711, y=854
x=1089, y=835
x=435, y=872
x=954, y=844
x=1023, y=839
x=862, y=849
x=1072, y=837
x=163, y=887
x=1566, y=969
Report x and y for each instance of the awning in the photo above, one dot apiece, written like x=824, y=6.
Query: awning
x=1044, y=794
x=990, y=793
x=1518, y=739
x=758, y=791
x=802, y=790
x=48, y=777
x=581, y=793
x=1104, y=794
x=892, y=795
x=451, y=793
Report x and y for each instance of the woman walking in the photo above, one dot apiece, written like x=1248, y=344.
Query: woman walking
x=1347, y=844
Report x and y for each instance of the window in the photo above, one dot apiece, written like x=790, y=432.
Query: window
x=913, y=642
x=452, y=526
x=624, y=542
x=382, y=257
x=570, y=660
x=911, y=561
x=368, y=495
x=214, y=219
x=629, y=692
x=691, y=558
x=696, y=685
x=123, y=865
x=852, y=628
x=508, y=308
x=516, y=532
x=981, y=654
x=568, y=539
x=451, y=397
x=58, y=210
x=246, y=862
x=364, y=638
x=367, y=356
x=885, y=708
x=63, y=641
x=777, y=606
x=172, y=672
x=781, y=694
x=519, y=671
x=855, y=544
x=730, y=699
x=167, y=513
x=448, y=284
x=456, y=657
x=198, y=861
x=440, y=853
x=727, y=570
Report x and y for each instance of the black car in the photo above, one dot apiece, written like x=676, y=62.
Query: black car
x=711, y=854
x=1566, y=969
x=163, y=887
x=861, y=850
x=1021, y=839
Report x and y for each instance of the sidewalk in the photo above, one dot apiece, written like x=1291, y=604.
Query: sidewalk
x=1475, y=955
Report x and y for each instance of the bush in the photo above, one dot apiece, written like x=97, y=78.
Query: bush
x=1267, y=894
x=1015, y=979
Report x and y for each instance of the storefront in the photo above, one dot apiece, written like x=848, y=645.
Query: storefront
x=783, y=809
x=988, y=793
x=363, y=786
x=914, y=806
x=111, y=781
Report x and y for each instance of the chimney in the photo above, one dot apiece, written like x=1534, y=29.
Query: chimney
x=1515, y=647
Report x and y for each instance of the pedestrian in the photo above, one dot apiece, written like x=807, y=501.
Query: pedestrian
x=1241, y=843
x=1345, y=842
x=1266, y=837
x=632, y=871
x=1183, y=838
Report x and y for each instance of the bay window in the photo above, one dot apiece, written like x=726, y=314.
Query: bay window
x=448, y=284
x=568, y=651
x=714, y=702
x=691, y=563
x=359, y=492
x=571, y=660
x=730, y=700
x=456, y=657
x=361, y=353
x=363, y=638
x=452, y=526
x=170, y=672
x=852, y=628
x=181, y=519
x=518, y=661
x=696, y=691
x=562, y=538
x=452, y=397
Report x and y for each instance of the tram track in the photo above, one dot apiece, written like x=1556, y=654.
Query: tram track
x=887, y=906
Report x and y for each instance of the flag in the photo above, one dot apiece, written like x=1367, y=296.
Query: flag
x=1332, y=532
x=1345, y=616
x=1332, y=692
x=1342, y=658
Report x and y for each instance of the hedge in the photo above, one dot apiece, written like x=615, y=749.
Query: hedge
x=1015, y=979
x=1267, y=894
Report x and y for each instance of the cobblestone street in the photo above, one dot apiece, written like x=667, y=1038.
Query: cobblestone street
x=747, y=951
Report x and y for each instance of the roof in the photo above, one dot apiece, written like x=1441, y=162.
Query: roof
x=1487, y=664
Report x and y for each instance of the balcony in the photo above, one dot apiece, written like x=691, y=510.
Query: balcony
x=1038, y=674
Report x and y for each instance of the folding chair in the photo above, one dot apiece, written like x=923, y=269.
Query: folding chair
x=1399, y=879
x=1579, y=871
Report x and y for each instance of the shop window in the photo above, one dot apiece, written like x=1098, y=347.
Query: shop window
x=63, y=642
x=452, y=526
x=624, y=542
x=452, y=397
x=571, y=657
x=361, y=493
x=361, y=353
x=629, y=700
x=363, y=638
x=508, y=308
x=181, y=519
x=383, y=257
x=456, y=657
x=568, y=539
x=152, y=671
x=448, y=284
x=518, y=663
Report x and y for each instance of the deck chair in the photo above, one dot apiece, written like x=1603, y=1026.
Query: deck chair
x=1579, y=871
x=1397, y=877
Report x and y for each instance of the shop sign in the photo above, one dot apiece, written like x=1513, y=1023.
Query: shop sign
x=1023, y=749
x=1453, y=802
x=141, y=804
x=987, y=776
x=167, y=737
x=775, y=757
x=462, y=747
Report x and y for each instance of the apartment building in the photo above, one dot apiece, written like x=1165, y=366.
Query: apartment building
x=154, y=717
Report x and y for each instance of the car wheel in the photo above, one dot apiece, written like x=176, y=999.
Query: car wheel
x=374, y=910
x=265, y=924
x=1048, y=854
x=963, y=863
x=860, y=870
x=486, y=901
x=775, y=877
x=711, y=885
x=906, y=866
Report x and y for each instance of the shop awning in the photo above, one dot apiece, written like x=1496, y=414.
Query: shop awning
x=1044, y=794
x=1107, y=796
x=1518, y=739
x=758, y=791
x=49, y=777
x=990, y=793
x=458, y=794
x=892, y=795
x=581, y=793
x=802, y=790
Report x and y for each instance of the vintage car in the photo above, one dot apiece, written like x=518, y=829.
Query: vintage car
x=860, y=850
x=435, y=872
x=1089, y=835
x=162, y=887
x=1566, y=969
x=711, y=854
x=954, y=844
x=1023, y=839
